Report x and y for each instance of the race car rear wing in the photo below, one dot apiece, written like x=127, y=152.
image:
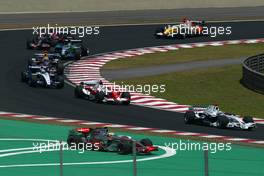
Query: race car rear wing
x=197, y=108
x=73, y=40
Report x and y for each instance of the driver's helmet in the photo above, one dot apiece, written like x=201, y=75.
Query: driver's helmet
x=216, y=107
x=45, y=62
x=55, y=36
x=45, y=56
x=42, y=70
x=69, y=44
x=184, y=20
x=45, y=59
x=52, y=70
x=42, y=36
x=111, y=134
x=45, y=36
x=100, y=82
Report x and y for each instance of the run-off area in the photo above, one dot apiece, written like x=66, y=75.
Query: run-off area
x=15, y=161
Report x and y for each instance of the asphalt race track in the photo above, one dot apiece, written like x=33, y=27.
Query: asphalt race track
x=19, y=97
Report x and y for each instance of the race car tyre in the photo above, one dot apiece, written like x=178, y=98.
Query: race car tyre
x=23, y=77
x=84, y=51
x=28, y=44
x=77, y=56
x=57, y=49
x=76, y=140
x=71, y=141
x=248, y=119
x=43, y=81
x=189, y=117
x=32, y=82
x=126, y=95
x=30, y=62
x=60, y=69
x=53, y=43
x=124, y=148
x=222, y=121
x=60, y=79
x=99, y=97
x=78, y=92
x=146, y=142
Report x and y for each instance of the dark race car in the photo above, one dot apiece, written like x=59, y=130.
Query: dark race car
x=45, y=60
x=46, y=41
x=38, y=76
x=71, y=50
x=39, y=42
x=105, y=141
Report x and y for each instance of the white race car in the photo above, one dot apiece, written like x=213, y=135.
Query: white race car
x=212, y=116
x=43, y=77
x=94, y=90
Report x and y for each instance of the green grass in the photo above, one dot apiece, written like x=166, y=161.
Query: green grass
x=187, y=55
x=187, y=163
x=203, y=87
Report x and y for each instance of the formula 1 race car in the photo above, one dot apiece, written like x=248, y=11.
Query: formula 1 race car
x=45, y=60
x=185, y=29
x=46, y=41
x=94, y=90
x=212, y=116
x=102, y=140
x=71, y=51
x=44, y=77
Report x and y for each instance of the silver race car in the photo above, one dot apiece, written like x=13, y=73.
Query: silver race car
x=38, y=76
x=212, y=116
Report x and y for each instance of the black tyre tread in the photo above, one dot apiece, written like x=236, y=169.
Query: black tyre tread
x=146, y=142
x=126, y=95
x=223, y=121
x=189, y=117
x=23, y=77
x=84, y=51
x=124, y=148
x=60, y=69
x=28, y=44
x=61, y=84
x=99, y=97
x=78, y=92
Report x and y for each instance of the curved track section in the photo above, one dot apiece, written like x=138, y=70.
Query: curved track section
x=18, y=97
x=90, y=68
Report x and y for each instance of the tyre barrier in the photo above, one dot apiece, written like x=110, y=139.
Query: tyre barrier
x=253, y=73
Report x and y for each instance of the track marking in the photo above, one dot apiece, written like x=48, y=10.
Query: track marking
x=141, y=129
x=140, y=100
x=26, y=148
x=169, y=152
